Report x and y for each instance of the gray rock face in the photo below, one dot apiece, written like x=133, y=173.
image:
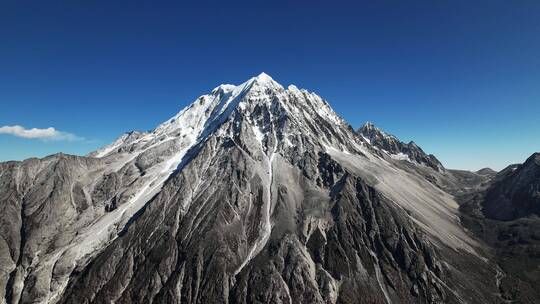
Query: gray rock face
x=393, y=146
x=252, y=194
x=44, y=203
x=516, y=194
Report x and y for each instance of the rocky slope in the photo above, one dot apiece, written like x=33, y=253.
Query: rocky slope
x=254, y=193
x=396, y=148
x=503, y=212
x=411, y=158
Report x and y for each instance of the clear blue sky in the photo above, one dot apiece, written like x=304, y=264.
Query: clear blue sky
x=460, y=78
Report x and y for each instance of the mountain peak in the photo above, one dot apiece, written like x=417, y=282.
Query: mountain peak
x=535, y=158
x=369, y=125
x=262, y=80
x=515, y=193
x=396, y=148
x=263, y=77
x=371, y=132
x=486, y=171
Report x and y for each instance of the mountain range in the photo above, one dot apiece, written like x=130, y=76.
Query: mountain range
x=257, y=193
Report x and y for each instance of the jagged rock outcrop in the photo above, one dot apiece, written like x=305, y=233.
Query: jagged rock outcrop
x=397, y=149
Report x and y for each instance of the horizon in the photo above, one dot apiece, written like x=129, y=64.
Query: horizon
x=459, y=79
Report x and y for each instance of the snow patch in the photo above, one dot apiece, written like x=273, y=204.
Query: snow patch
x=266, y=228
x=400, y=156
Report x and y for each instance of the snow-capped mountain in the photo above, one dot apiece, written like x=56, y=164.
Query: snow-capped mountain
x=254, y=193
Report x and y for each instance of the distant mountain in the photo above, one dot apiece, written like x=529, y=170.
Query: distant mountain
x=516, y=193
x=254, y=193
x=397, y=149
x=486, y=172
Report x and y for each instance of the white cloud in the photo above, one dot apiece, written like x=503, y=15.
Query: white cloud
x=44, y=134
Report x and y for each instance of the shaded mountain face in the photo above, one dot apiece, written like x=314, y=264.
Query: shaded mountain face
x=503, y=212
x=516, y=193
x=397, y=149
x=254, y=193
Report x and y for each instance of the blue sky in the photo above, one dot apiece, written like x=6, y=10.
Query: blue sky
x=460, y=78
